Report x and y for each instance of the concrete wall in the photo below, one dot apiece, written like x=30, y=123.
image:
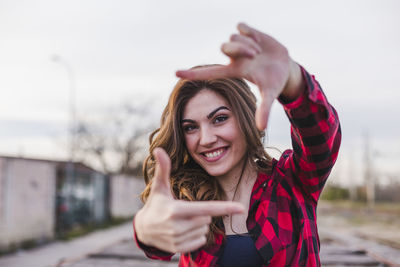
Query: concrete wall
x=28, y=198
x=27, y=193
x=125, y=193
x=100, y=198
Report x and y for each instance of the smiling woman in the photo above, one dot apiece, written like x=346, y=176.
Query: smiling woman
x=213, y=193
x=212, y=131
x=213, y=135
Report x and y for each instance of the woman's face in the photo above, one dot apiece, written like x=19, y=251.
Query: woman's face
x=212, y=134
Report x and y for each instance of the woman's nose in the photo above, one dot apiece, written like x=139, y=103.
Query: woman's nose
x=207, y=137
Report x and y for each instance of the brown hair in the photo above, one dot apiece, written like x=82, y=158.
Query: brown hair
x=188, y=180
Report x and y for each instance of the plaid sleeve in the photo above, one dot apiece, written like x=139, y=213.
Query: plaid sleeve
x=151, y=252
x=316, y=136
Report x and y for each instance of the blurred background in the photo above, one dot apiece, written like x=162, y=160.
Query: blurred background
x=84, y=83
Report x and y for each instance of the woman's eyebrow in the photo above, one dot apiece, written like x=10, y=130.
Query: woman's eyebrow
x=208, y=116
x=187, y=120
x=215, y=111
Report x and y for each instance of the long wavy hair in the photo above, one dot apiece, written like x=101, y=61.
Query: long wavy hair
x=188, y=180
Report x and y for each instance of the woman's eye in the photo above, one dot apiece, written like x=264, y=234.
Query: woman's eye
x=188, y=128
x=220, y=118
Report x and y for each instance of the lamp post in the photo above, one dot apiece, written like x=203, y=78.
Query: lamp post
x=369, y=173
x=72, y=108
x=70, y=170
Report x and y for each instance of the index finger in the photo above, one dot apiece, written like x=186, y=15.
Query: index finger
x=248, y=31
x=210, y=208
x=205, y=73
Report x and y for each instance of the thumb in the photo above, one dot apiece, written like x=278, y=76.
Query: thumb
x=161, y=181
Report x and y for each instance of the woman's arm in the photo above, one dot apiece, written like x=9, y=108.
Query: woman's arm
x=316, y=137
x=295, y=84
x=265, y=62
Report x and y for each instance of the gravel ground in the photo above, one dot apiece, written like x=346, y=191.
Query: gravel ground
x=349, y=237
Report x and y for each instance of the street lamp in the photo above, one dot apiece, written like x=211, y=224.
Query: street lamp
x=72, y=109
x=70, y=170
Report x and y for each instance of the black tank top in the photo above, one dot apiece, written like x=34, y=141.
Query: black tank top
x=239, y=251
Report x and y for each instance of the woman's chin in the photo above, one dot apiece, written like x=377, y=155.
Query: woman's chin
x=215, y=172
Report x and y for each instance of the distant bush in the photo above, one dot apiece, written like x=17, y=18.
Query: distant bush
x=333, y=192
x=388, y=193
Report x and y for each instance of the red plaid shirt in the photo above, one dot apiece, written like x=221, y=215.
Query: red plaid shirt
x=282, y=213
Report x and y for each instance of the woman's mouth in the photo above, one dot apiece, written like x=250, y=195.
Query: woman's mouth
x=214, y=155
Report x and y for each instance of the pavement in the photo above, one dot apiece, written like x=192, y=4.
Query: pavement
x=122, y=254
x=115, y=247
x=55, y=253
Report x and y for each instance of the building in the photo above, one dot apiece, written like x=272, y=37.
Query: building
x=40, y=199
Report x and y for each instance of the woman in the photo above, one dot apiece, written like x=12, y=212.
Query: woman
x=209, y=147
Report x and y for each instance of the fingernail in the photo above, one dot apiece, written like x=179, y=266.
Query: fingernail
x=243, y=25
x=239, y=209
x=184, y=74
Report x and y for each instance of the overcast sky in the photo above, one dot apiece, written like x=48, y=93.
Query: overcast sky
x=121, y=50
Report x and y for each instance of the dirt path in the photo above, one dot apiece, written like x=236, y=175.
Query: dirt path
x=375, y=232
x=380, y=225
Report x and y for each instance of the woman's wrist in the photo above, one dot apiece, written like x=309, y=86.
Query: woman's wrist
x=295, y=84
x=138, y=228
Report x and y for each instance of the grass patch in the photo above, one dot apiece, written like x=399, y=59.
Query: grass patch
x=7, y=250
x=82, y=230
x=25, y=245
x=359, y=213
x=77, y=231
x=379, y=207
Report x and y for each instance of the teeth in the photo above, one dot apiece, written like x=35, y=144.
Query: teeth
x=214, y=154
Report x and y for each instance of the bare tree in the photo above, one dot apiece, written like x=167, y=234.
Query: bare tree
x=115, y=139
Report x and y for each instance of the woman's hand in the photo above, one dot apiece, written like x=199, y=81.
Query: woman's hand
x=260, y=59
x=175, y=225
